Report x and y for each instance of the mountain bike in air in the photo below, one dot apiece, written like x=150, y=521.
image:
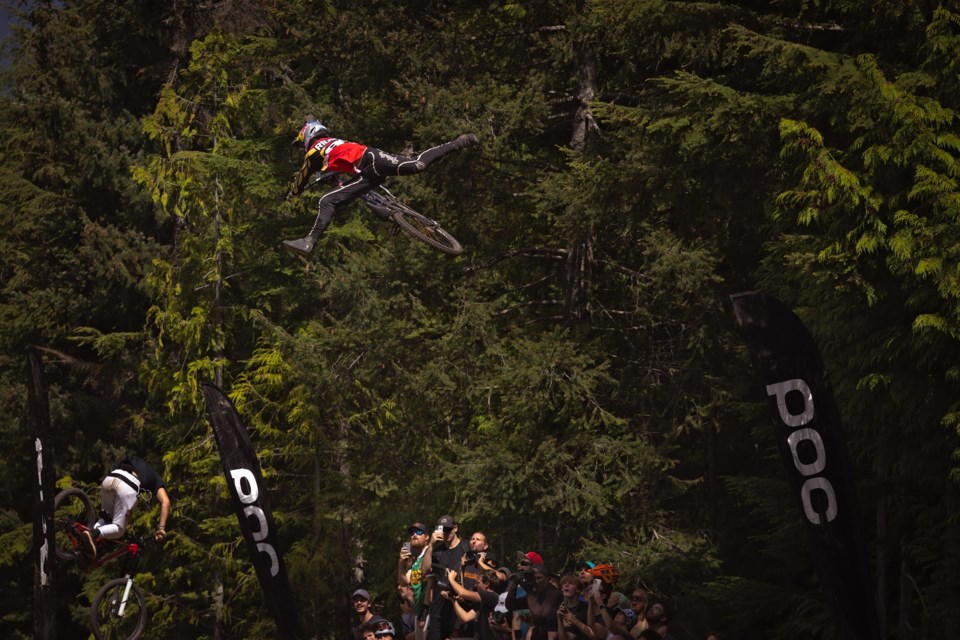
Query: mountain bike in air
x=388, y=207
x=118, y=611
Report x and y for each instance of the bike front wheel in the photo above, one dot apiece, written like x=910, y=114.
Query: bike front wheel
x=71, y=506
x=112, y=617
x=412, y=223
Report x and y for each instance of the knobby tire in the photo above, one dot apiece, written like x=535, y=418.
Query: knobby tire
x=69, y=507
x=103, y=621
x=413, y=224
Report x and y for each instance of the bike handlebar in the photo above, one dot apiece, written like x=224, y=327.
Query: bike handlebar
x=324, y=177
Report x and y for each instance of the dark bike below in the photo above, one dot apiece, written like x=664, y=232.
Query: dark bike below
x=387, y=207
x=118, y=611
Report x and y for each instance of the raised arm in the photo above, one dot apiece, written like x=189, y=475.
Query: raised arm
x=164, y=500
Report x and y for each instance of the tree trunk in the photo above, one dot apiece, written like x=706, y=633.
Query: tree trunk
x=583, y=118
x=903, y=625
x=882, y=534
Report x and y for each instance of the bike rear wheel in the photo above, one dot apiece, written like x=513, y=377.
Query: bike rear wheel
x=412, y=223
x=105, y=619
x=70, y=507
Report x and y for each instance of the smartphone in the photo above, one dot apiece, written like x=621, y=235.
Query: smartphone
x=406, y=545
x=596, y=585
x=439, y=528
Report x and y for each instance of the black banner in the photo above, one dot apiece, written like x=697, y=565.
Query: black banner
x=806, y=423
x=44, y=604
x=245, y=481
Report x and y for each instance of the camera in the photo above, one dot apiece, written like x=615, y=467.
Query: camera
x=525, y=579
x=470, y=556
x=441, y=581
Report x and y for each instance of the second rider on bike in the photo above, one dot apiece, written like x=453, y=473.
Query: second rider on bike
x=118, y=496
x=371, y=166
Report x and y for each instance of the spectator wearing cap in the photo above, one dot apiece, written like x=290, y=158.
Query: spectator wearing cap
x=414, y=565
x=361, y=607
x=525, y=561
x=384, y=630
x=582, y=569
x=542, y=600
x=624, y=619
x=447, y=554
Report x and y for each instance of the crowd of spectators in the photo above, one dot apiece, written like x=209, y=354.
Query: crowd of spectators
x=454, y=588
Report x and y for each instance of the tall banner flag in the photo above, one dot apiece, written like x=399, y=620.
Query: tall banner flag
x=242, y=469
x=806, y=423
x=44, y=604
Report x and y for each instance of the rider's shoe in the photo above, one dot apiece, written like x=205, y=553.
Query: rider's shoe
x=302, y=247
x=466, y=140
x=89, y=549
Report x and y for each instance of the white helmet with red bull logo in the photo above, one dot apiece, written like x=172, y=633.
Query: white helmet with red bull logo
x=311, y=130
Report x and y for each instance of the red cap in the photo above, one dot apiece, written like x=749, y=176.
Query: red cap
x=532, y=556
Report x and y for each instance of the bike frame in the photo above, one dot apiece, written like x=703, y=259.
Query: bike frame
x=132, y=549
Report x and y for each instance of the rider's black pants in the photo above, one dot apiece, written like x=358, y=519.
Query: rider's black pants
x=375, y=167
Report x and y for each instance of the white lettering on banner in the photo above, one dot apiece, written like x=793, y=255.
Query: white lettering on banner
x=781, y=389
x=248, y=497
x=821, y=484
x=261, y=531
x=811, y=468
x=808, y=470
x=274, y=563
x=239, y=475
x=44, y=574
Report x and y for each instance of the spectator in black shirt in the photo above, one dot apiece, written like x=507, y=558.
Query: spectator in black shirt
x=448, y=552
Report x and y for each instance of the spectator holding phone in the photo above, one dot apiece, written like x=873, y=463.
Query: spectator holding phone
x=572, y=622
x=448, y=551
x=414, y=566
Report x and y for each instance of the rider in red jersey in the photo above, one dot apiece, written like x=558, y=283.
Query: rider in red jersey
x=371, y=166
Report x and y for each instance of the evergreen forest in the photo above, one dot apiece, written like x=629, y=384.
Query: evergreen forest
x=575, y=382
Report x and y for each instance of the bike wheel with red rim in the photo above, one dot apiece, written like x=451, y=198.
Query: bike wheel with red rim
x=71, y=506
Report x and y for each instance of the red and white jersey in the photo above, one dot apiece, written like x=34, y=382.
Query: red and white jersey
x=339, y=156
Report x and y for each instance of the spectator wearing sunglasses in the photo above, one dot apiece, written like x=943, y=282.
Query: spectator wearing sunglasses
x=414, y=566
x=638, y=602
x=526, y=560
x=447, y=554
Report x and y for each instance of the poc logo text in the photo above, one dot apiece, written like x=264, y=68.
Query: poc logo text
x=805, y=430
x=248, y=496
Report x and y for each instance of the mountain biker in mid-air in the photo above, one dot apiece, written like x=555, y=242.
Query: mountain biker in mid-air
x=118, y=496
x=371, y=166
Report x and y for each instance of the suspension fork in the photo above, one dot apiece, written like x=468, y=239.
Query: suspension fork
x=125, y=596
